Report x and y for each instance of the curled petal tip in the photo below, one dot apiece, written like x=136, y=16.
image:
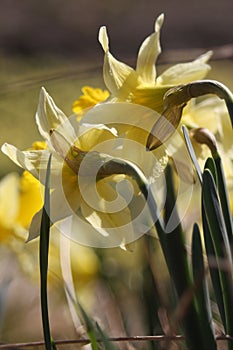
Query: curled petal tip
x=43, y=91
x=103, y=38
x=159, y=22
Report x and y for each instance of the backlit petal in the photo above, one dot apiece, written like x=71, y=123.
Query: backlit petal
x=186, y=72
x=49, y=118
x=33, y=161
x=148, y=53
x=48, y=115
x=119, y=78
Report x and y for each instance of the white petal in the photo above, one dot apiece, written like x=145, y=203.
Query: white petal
x=186, y=72
x=28, y=160
x=119, y=78
x=51, y=120
x=85, y=127
x=148, y=53
x=48, y=115
x=34, y=161
x=103, y=38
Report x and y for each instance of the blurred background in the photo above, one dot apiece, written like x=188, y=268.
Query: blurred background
x=54, y=44
x=70, y=28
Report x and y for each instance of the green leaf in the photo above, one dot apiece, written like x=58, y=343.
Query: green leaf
x=209, y=164
x=201, y=291
x=224, y=198
x=214, y=272
x=191, y=152
x=44, y=252
x=221, y=244
x=214, y=215
x=108, y=345
x=174, y=250
x=90, y=328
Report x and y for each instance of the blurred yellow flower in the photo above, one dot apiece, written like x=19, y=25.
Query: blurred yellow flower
x=30, y=199
x=89, y=98
x=20, y=199
x=13, y=229
x=9, y=206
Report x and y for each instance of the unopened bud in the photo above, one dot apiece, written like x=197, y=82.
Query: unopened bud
x=204, y=136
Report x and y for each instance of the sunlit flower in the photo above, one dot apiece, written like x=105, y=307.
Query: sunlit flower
x=142, y=85
x=81, y=207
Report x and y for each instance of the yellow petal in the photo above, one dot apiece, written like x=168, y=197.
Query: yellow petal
x=148, y=53
x=151, y=97
x=28, y=160
x=94, y=136
x=119, y=78
x=48, y=115
x=33, y=161
x=89, y=98
x=186, y=72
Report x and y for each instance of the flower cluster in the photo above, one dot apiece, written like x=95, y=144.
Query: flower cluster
x=95, y=199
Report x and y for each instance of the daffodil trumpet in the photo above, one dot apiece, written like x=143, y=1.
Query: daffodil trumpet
x=175, y=99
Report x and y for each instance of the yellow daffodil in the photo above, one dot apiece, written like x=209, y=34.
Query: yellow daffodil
x=141, y=85
x=90, y=201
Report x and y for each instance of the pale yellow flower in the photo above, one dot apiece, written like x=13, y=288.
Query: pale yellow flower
x=142, y=85
x=87, y=204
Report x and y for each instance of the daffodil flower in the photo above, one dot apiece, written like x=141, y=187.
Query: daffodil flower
x=142, y=85
x=169, y=94
x=89, y=200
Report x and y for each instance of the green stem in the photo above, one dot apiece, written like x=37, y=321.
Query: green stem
x=44, y=250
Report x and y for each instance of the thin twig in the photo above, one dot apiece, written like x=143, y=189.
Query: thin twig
x=156, y=338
